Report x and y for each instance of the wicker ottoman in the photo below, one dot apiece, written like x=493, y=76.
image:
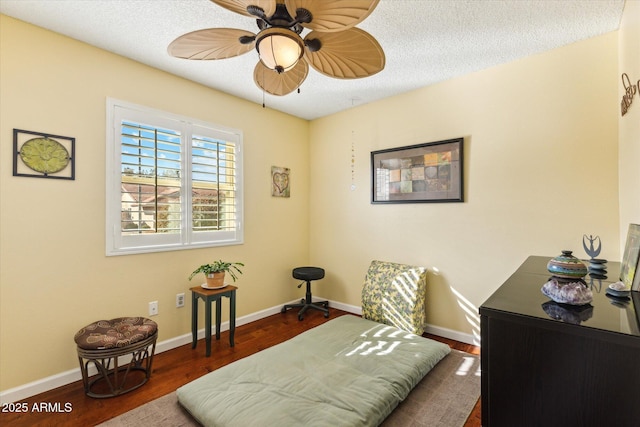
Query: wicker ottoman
x=104, y=342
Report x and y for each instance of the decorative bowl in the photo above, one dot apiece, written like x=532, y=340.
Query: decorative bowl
x=567, y=266
x=618, y=289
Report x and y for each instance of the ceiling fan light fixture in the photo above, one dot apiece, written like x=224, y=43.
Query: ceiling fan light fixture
x=280, y=49
x=334, y=47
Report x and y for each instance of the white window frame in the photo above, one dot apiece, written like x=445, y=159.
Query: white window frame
x=116, y=243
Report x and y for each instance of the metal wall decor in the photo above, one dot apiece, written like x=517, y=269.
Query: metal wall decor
x=42, y=155
x=423, y=173
x=629, y=92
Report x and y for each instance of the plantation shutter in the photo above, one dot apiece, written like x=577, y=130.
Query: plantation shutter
x=171, y=183
x=214, y=185
x=151, y=179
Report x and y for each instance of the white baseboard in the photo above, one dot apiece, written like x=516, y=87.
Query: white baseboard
x=431, y=329
x=58, y=380
x=452, y=335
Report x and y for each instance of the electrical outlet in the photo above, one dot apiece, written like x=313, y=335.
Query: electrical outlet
x=180, y=300
x=153, y=308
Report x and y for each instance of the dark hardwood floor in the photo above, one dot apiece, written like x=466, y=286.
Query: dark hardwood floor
x=176, y=367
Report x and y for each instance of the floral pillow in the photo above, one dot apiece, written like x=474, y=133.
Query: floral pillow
x=394, y=294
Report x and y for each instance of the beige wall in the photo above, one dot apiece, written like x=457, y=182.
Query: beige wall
x=540, y=172
x=629, y=127
x=54, y=275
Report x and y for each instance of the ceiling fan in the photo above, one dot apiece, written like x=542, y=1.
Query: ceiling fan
x=334, y=47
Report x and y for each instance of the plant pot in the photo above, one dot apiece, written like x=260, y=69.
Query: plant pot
x=215, y=280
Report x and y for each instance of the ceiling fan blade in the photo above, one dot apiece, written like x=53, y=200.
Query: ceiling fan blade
x=213, y=43
x=349, y=54
x=240, y=6
x=335, y=15
x=280, y=84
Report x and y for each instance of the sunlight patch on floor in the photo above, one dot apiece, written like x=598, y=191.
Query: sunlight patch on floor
x=466, y=367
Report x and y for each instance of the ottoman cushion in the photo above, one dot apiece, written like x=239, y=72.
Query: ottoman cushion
x=113, y=333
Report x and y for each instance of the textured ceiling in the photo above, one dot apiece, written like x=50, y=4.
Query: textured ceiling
x=425, y=41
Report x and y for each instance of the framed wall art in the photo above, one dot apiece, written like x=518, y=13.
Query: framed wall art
x=42, y=155
x=280, y=182
x=423, y=173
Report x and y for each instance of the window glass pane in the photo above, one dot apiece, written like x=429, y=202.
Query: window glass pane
x=151, y=180
x=213, y=193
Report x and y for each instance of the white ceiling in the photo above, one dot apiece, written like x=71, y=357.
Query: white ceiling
x=425, y=41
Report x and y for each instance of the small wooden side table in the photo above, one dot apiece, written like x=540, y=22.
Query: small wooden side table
x=208, y=296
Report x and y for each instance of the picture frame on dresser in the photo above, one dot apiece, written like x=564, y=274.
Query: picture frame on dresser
x=631, y=259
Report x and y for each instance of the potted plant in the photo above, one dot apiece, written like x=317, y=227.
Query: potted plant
x=215, y=272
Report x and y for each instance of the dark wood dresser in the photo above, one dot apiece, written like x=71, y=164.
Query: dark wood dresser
x=544, y=365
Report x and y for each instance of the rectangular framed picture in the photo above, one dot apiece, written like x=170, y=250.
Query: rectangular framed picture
x=631, y=258
x=280, y=182
x=423, y=173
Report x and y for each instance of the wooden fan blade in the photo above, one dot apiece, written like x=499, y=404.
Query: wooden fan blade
x=240, y=6
x=213, y=43
x=349, y=54
x=336, y=15
x=280, y=84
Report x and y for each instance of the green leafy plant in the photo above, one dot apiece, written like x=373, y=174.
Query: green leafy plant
x=219, y=266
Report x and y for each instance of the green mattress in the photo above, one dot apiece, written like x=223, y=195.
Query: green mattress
x=347, y=372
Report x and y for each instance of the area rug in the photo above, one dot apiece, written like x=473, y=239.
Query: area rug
x=444, y=398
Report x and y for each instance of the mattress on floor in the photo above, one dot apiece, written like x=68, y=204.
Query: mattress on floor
x=346, y=372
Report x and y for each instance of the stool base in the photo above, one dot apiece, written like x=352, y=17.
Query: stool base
x=118, y=379
x=307, y=303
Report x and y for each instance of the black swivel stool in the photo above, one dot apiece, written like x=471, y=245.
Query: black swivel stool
x=307, y=274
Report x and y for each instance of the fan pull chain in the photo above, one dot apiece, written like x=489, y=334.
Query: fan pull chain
x=263, y=102
x=353, y=161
